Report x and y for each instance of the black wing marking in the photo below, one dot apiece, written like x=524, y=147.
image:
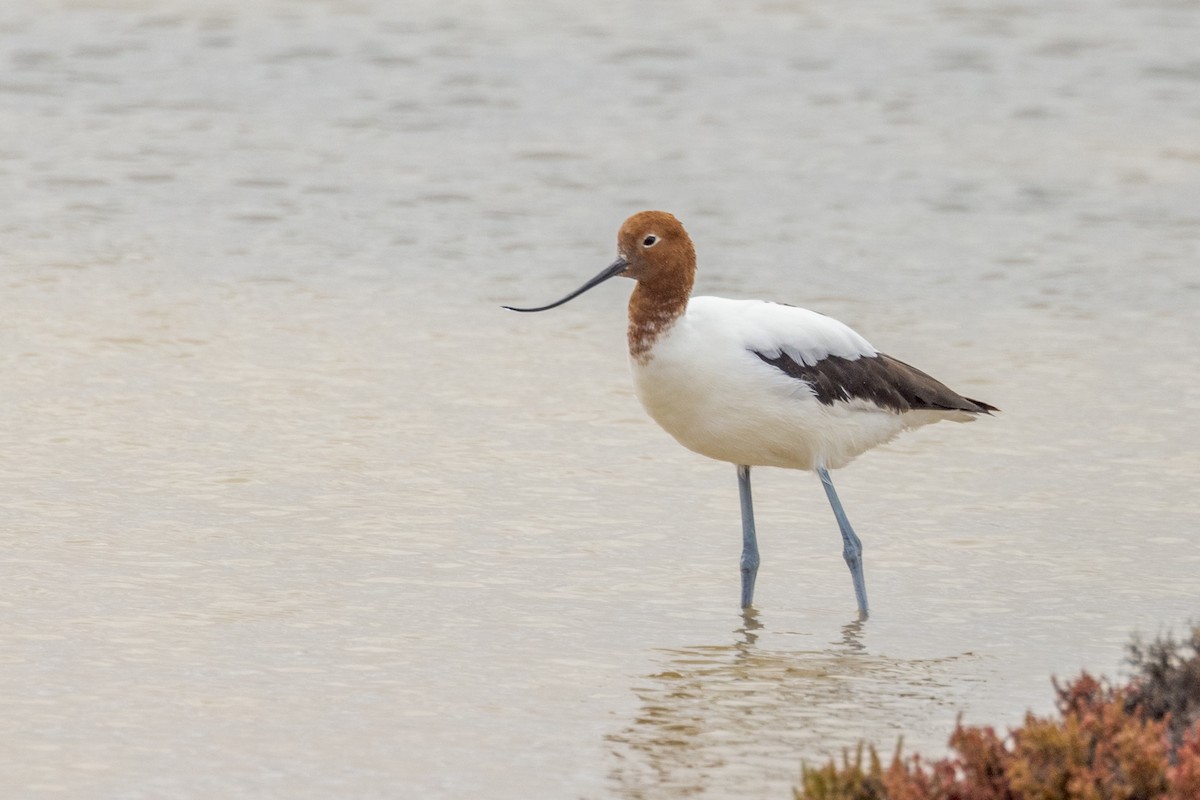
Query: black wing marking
x=878, y=379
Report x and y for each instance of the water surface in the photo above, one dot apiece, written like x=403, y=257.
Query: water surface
x=293, y=509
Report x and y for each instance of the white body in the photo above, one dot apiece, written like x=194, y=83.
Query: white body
x=705, y=386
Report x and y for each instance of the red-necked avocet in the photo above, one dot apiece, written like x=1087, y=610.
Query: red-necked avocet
x=761, y=384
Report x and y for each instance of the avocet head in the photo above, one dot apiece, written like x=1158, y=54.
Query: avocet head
x=652, y=247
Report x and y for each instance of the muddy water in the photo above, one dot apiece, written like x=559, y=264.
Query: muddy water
x=292, y=509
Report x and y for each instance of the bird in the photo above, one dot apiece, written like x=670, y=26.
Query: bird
x=761, y=384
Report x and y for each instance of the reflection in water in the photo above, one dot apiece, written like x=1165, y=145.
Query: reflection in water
x=739, y=718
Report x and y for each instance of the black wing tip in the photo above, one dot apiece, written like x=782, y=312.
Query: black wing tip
x=955, y=403
x=981, y=407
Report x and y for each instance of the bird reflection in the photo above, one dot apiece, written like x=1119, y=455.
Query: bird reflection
x=738, y=719
x=750, y=624
x=852, y=635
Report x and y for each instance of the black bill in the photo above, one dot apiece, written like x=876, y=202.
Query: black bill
x=611, y=271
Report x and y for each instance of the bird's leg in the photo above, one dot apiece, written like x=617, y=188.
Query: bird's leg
x=749, y=562
x=851, y=545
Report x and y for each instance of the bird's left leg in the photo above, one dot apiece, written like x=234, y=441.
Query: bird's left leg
x=749, y=563
x=851, y=545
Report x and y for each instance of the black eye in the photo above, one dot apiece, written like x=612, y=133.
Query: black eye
x=650, y=241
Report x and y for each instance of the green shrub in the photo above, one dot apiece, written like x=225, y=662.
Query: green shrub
x=1167, y=683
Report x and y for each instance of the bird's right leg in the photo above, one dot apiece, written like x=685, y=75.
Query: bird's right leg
x=749, y=562
x=852, y=548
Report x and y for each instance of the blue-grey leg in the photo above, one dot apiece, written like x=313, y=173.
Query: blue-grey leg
x=851, y=544
x=749, y=538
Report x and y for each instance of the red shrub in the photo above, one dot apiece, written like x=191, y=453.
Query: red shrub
x=1099, y=747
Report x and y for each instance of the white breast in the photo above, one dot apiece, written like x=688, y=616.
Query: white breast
x=706, y=387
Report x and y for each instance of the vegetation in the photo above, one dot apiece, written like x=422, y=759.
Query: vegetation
x=1138, y=741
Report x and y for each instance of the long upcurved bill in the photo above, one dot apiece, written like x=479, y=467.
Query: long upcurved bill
x=611, y=271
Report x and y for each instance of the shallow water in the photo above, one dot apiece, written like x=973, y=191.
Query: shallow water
x=293, y=509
